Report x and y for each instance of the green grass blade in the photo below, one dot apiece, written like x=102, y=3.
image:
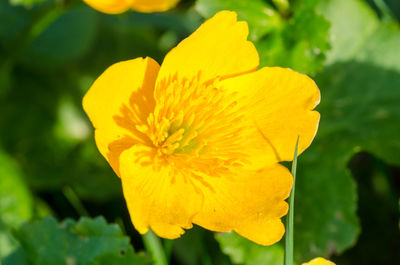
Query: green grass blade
x=74, y=200
x=288, y=259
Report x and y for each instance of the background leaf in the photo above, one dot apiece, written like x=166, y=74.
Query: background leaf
x=347, y=35
x=243, y=251
x=297, y=39
x=359, y=110
x=64, y=40
x=89, y=241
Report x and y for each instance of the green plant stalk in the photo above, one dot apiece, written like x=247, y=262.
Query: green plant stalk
x=288, y=258
x=153, y=245
x=74, y=200
x=387, y=14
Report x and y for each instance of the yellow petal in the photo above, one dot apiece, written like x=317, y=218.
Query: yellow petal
x=319, y=261
x=120, y=6
x=218, y=48
x=159, y=197
x=109, y=6
x=250, y=203
x=278, y=105
x=118, y=100
x=148, y=6
x=265, y=232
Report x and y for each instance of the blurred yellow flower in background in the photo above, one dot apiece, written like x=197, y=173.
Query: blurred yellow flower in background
x=120, y=6
x=319, y=261
x=198, y=140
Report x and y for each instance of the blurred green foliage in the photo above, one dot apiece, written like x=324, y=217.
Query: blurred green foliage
x=297, y=38
x=348, y=184
x=89, y=241
x=15, y=203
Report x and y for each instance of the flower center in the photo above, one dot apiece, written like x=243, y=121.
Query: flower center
x=179, y=120
x=172, y=134
x=195, y=126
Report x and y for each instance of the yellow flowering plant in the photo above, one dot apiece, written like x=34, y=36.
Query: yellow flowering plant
x=198, y=140
x=120, y=6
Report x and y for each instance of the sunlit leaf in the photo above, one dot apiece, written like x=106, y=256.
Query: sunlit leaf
x=346, y=35
x=361, y=94
x=243, y=251
x=298, y=39
x=359, y=111
x=15, y=202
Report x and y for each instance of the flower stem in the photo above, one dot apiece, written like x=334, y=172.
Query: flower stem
x=288, y=260
x=168, y=248
x=387, y=14
x=155, y=248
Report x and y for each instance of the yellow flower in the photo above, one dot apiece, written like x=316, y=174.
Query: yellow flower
x=198, y=140
x=120, y=6
x=319, y=261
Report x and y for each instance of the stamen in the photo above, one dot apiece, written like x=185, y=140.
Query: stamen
x=196, y=126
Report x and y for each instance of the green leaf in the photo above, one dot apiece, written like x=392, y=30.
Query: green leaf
x=65, y=40
x=352, y=22
x=297, y=40
x=326, y=199
x=243, y=251
x=361, y=94
x=15, y=202
x=300, y=44
x=18, y=257
x=86, y=242
x=362, y=106
x=359, y=112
